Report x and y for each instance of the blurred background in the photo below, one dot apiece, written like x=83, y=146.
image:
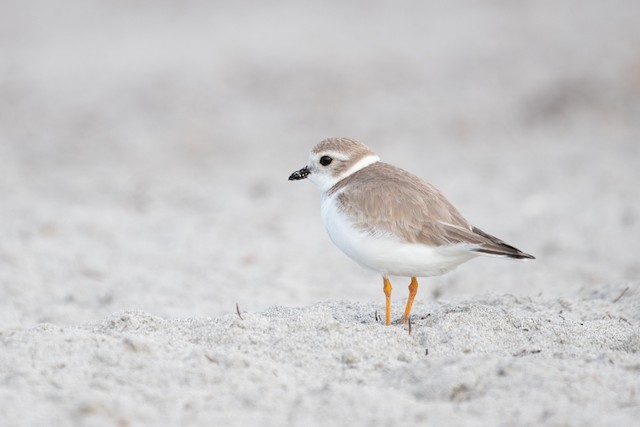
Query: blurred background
x=145, y=146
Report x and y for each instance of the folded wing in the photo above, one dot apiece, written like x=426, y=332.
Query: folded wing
x=386, y=199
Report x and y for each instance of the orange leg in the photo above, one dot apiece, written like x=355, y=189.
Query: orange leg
x=387, y=293
x=413, y=290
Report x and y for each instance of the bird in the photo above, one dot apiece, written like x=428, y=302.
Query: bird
x=389, y=220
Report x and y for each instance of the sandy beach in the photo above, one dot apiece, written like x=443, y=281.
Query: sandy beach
x=144, y=155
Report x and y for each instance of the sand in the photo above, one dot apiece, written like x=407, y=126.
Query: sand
x=144, y=155
x=492, y=360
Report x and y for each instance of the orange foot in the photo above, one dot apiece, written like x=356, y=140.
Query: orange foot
x=387, y=294
x=413, y=290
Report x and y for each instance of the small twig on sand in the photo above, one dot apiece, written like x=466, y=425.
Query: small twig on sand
x=624, y=291
x=375, y=314
x=238, y=311
x=409, y=325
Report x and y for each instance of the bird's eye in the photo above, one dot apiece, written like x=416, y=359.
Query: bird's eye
x=325, y=160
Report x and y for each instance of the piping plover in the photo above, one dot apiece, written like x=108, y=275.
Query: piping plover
x=389, y=220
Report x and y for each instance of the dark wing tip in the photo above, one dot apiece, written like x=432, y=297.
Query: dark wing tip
x=496, y=246
x=509, y=252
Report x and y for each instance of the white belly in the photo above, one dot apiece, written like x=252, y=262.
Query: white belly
x=387, y=254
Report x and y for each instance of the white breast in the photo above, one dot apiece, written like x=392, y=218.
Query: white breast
x=388, y=254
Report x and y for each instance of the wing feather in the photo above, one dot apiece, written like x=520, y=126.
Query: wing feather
x=384, y=199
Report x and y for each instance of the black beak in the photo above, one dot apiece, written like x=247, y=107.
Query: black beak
x=301, y=174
